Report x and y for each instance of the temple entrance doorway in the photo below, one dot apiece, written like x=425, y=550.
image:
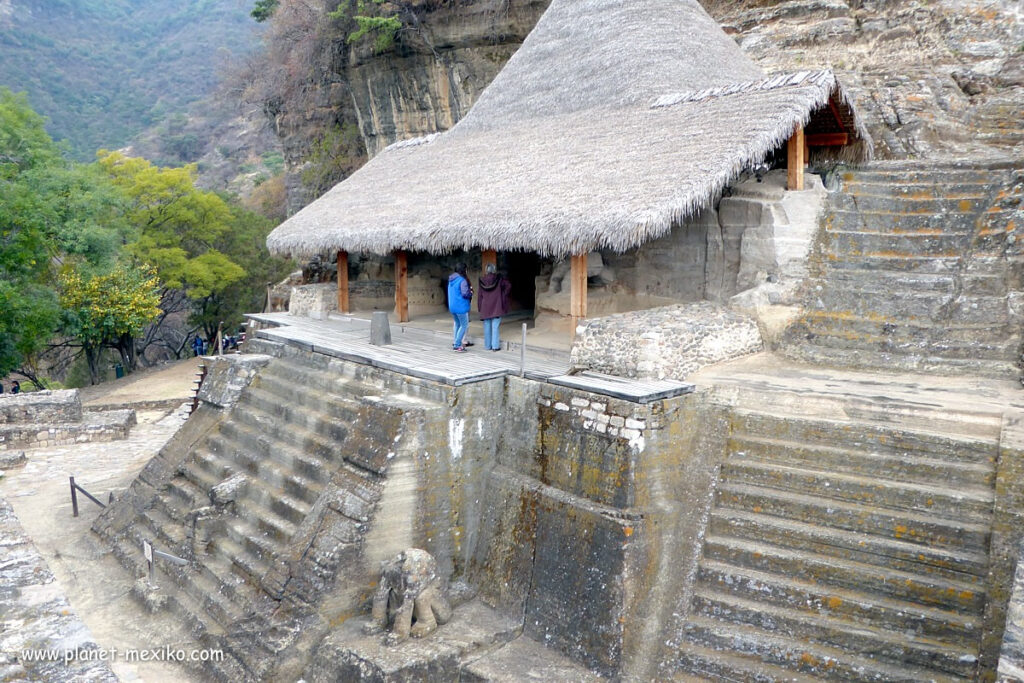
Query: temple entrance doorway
x=522, y=268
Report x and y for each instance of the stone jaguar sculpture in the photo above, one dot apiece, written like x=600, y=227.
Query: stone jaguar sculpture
x=410, y=598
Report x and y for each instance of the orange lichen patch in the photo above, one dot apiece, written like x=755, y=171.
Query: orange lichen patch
x=899, y=531
x=807, y=659
x=757, y=508
x=966, y=205
x=988, y=232
x=920, y=194
x=929, y=502
x=627, y=530
x=915, y=98
x=834, y=602
x=966, y=596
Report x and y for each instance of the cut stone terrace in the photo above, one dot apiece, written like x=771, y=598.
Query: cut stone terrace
x=779, y=522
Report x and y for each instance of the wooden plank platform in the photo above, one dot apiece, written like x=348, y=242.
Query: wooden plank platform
x=416, y=352
x=635, y=390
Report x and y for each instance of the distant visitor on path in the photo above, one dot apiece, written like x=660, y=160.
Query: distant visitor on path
x=493, y=304
x=198, y=346
x=460, y=294
x=15, y=387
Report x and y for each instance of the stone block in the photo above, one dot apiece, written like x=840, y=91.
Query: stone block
x=314, y=301
x=41, y=407
x=227, y=376
x=380, y=329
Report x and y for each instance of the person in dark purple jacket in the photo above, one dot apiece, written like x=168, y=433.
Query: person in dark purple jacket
x=493, y=304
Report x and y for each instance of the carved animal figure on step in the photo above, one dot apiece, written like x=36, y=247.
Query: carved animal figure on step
x=409, y=599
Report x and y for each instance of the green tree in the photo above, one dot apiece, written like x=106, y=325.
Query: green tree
x=109, y=311
x=263, y=9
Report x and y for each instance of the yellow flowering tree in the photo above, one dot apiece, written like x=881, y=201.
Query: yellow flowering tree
x=109, y=311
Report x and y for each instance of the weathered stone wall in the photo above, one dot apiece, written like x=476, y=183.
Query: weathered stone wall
x=41, y=407
x=672, y=341
x=588, y=494
x=750, y=250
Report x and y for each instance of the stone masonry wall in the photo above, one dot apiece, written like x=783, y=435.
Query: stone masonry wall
x=41, y=406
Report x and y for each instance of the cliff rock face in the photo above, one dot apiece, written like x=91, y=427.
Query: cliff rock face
x=444, y=56
x=934, y=79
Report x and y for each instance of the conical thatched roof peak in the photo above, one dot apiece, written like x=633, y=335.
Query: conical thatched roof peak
x=614, y=121
x=587, y=54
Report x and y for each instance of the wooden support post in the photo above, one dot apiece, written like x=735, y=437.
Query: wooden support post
x=578, y=290
x=795, y=160
x=402, y=286
x=488, y=256
x=343, y=282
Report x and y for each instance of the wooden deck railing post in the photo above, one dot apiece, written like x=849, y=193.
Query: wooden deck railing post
x=343, y=282
x=577, y=290
x=795, y=160
x=402, y=286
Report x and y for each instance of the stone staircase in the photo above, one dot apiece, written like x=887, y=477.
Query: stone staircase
x=314, y=448
x=917, y=268
x=843, y=550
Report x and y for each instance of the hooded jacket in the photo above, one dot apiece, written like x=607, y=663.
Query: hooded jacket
x=459, y=294
x=493, y=299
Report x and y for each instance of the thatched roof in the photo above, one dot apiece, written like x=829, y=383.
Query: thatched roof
x=613, y=121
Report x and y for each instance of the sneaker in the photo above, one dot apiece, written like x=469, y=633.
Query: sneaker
x=461, y=349
x=469, y=343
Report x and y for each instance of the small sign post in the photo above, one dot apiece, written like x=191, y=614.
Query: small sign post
x=147, y=552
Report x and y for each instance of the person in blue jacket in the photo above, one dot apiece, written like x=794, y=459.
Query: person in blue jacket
x=460, y=294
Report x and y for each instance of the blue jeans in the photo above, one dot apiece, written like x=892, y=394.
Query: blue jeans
x=492, y=340
x=461, y=325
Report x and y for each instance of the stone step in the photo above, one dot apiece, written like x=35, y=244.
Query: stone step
x=898, y=224
x=821, y=351
x=219, y=569
x=238, y=441
x=163, y=531
x=890, y=334
x=805, y=657
x=882, y=283
x=852, y=607
x=922, y=589
x=961, y=503
x=366, y=442
x=881, y=439
x=928, y=174
x=206, y=592
x=897, y=261
x=851, y=242
x=257, y=489
x=315, y=372
x=867, y=548
x=287, y=399
x=265, y=517
x=326, y=448
x=902, y=467
x=912, y=308
x=912, y=527
x=897, y=650
x=270, y=472
x=239, y=548
x=922, y=202
x=725, y=665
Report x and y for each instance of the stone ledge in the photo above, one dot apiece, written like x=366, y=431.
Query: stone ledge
x=664, y=343
x=109, y=425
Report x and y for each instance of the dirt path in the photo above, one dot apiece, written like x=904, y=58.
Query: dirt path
x=96, y=586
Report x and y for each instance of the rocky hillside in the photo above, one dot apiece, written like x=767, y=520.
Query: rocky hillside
x=104, y=70
x=935, y=78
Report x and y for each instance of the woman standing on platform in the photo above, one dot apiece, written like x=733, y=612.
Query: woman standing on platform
x=460, y=294
x=493, y=304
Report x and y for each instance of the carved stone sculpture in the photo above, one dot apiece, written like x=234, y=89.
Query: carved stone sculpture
x=409, y=599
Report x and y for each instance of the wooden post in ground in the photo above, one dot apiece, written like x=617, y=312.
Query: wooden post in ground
x=488, y=256
x=343, y=282
x=795, y=160
x=577, y=290
x=402, y=286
